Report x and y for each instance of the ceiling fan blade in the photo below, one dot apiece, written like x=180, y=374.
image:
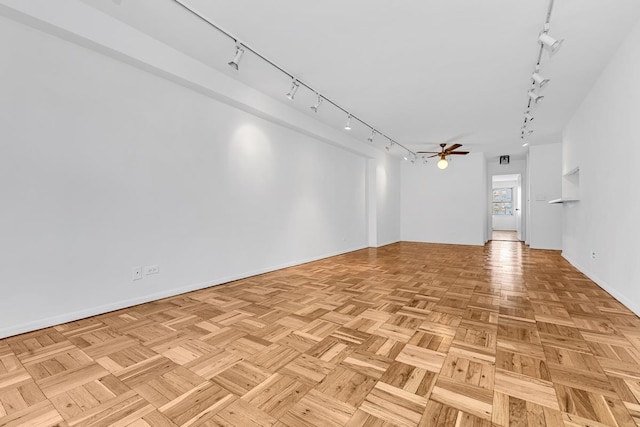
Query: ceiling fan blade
x=435, y=155
x=458, y=152
x=427, y=152
x=453, y=147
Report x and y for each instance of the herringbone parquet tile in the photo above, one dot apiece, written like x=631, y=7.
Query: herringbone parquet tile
x=406, y=335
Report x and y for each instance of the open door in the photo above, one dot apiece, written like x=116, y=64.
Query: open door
x=506, y=207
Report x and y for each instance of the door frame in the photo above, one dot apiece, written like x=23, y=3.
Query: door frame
x=516, y=200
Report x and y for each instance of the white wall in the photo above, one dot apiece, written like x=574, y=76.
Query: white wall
x=602, y=139
x=545, y=184
x=105, y=166
x=506, y=222
x=445, y=206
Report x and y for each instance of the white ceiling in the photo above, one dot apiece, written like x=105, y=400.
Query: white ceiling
x=422, y=72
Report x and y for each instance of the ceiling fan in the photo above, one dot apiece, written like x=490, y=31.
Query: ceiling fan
x=443, y=153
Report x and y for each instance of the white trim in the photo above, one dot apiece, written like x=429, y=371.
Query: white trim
x=390, y=242
x=631, y=305
x=94, y=311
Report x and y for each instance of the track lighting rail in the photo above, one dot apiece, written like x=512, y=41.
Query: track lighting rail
x=240, y=44
x=545, y=41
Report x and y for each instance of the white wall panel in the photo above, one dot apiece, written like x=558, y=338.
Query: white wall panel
x=445, y=206
x=601, y=230
x=105, y=166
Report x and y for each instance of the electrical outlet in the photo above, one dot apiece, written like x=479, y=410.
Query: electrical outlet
x=136, y=273
x=151, y=269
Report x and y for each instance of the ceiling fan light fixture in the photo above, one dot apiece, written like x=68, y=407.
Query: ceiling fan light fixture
x=294, y=88
x=536, y=98
x=551, y=44
x=540, y=81
x=443, y=163
x=236, y=58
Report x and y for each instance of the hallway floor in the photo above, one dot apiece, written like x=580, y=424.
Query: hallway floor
x=505, y=235
x=408, y=334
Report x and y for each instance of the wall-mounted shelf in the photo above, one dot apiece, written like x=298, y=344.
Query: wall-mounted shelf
x=573, y=171
x=570, y=186
x=562, y=201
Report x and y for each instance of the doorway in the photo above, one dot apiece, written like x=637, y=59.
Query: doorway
x=505, y=206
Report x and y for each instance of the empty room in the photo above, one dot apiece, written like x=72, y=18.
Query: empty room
x=356, y=213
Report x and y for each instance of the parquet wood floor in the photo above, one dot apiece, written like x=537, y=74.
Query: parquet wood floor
x=406, y=335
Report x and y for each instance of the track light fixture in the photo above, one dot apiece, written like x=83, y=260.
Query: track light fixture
x=372, y=136
x=389, y=145
x=537, y=98
x=294, y=88
x=236, y=58
x=410, y=157
x=317, y=104
x=540, y=81
x=348, y=125
x=424, y=160
x=551, y=44
x=545, y=42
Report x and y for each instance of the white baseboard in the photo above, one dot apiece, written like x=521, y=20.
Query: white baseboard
x=630, y=304
x=118, y=305
x=391, y=242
